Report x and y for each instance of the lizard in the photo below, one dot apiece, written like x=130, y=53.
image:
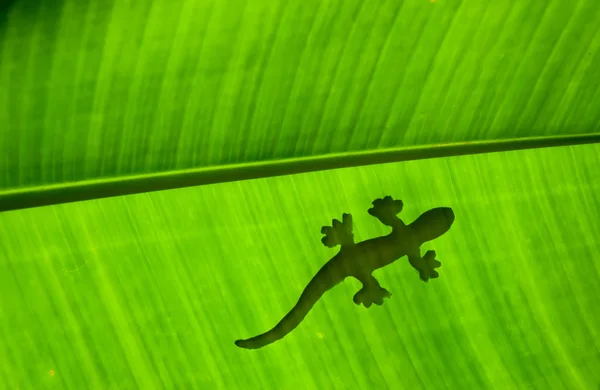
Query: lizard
x=359, y=260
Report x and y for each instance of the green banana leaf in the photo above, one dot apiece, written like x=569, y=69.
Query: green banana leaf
x=150, y=290
x=102, y=88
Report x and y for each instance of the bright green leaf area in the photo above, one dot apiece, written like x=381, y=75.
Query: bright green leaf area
x=103, y=88
x=150, y=291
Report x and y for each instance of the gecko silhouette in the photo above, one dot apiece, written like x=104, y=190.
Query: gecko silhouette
x=359, y=260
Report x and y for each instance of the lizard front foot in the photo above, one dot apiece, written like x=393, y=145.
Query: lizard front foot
x=428, y=265
x=368, y=296
x=385, y=210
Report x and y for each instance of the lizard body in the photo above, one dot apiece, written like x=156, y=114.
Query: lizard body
x=359, y=260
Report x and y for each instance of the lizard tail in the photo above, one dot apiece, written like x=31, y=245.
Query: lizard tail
x=324, y=280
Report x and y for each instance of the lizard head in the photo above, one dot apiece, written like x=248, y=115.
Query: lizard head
x=433, y=223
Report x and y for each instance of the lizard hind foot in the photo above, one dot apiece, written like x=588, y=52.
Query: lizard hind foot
x=385, y=209
x=339, y=233
x=369, y=296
